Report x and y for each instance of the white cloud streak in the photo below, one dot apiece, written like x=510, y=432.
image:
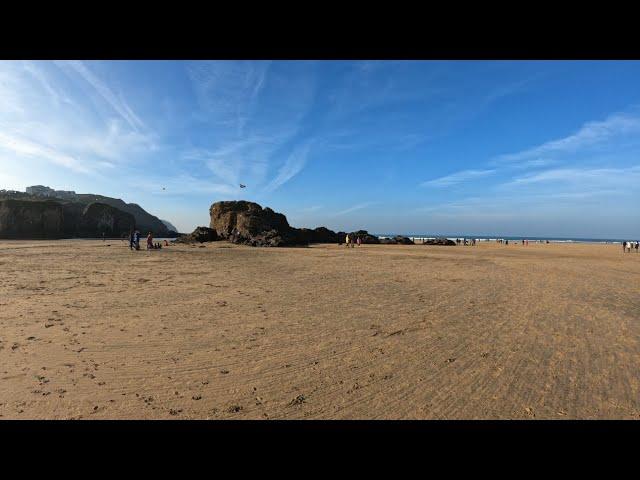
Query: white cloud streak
x=458, y=177
x=117, y=102
x=591, y=134
x=26, y=147
x=292, y=166
x=360, y=206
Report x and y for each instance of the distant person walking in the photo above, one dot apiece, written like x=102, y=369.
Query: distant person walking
x=132, y=240
x=149, y=241
x=136, y=239
x=346, y=240
x=359, y=240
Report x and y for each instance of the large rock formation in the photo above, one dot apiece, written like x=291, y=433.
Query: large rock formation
x=31, y=219
x=250, y=224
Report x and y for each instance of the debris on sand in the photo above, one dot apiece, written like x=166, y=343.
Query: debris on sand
x=299, y=400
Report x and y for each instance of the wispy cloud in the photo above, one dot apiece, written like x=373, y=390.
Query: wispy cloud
x=591, y=134
x=258, y=128
x=458, y=177
x=292, y=166
x=584, y=178
x=116, y=101
x=313, y=208
x=26, y=147
x=360, y=206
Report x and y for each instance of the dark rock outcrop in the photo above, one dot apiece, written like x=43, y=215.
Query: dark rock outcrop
x=31, y=219
x=320, y=235
x=199, y=235
x=440, y=241
x=249, y=224
x=397, y=240
x=365, y=237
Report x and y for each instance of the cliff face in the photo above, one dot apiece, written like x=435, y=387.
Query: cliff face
x=31, y=219
x=99, y=218
x=144, y=220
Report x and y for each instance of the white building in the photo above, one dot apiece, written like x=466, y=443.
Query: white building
x=42, y=191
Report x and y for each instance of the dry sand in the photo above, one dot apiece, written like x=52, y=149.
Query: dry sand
x=376, y=332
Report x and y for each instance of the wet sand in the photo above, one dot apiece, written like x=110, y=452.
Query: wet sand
x=377, y=332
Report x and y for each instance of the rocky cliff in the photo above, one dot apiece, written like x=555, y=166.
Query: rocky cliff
x=145, y=222
x=31, y=219
x=100, y=218
x=40, y=219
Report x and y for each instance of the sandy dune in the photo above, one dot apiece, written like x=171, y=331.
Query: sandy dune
x=410, y=332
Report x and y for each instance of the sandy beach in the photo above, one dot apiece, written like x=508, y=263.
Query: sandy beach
x=92, y=330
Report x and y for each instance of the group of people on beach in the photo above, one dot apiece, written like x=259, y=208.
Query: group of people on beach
x=350, y=242
x=466, y=241
x=627, y=247
x=524, y=241
x=134, y=241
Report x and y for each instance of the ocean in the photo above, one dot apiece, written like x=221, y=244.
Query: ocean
x=493, y=238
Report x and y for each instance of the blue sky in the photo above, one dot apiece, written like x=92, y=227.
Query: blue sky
x=476, y=147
